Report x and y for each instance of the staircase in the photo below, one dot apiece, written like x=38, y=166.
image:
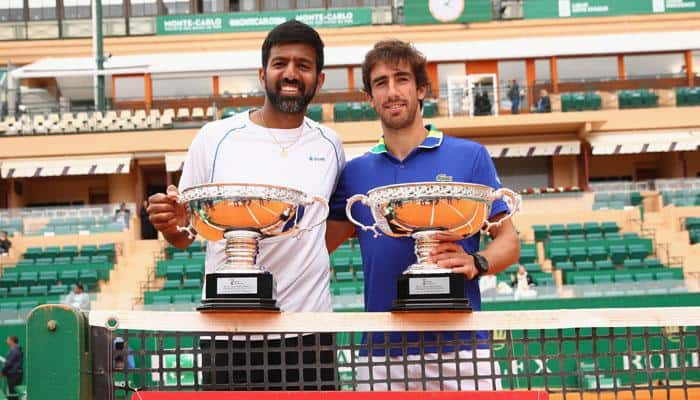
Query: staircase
x=124, y=282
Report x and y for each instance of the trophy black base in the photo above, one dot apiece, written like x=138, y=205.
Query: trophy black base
x=429, y=292
x=238, y=292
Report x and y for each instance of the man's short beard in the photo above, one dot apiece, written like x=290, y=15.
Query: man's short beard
x=286, y=104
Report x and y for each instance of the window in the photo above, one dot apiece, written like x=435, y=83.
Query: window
x=336, y=80
x=42, y=10
x=129, y=88
x=143, y=8
x=311, y=3
x=509, y=70
x=173, y=7
x=588, y=68
x=446, y=70
x=215, y=6
x=112, y=8
x=76, y=9
x=649, y=65
x=12, y=11
x=277, y=5
x=240, y=82
x=542, y=70
x=182, y=86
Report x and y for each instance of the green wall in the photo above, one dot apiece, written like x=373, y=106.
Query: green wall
x=597, y=8
x=418, y=12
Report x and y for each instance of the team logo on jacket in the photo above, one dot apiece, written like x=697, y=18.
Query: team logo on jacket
x=443, y=178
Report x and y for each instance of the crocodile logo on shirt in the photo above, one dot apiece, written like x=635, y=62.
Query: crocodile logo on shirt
x=317, y=158
x=443, y=178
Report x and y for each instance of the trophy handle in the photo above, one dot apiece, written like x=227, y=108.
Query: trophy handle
x=348, y=211
x=513, y=201
x=191, y=232
x=309, y=201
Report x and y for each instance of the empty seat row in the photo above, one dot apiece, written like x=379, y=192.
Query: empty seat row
x=67, y=277
x=617, y=253
x=602, y=265
x=658, y=274
x=196, y=246
x=177, y=272
x=345, y=276
x=171, y=296
x=178, y=283
x=187, y=256
x=544, y=232
x=36, y=290
x=355, y=111
x=580, y=101
x=89, y=250
x=639, y=98
x=63, y=260
x=688, y=96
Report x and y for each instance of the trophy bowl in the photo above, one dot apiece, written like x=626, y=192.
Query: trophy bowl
x=420, y=210
x=242, y=214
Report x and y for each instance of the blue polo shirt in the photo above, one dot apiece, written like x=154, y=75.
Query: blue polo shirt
x=384, y=259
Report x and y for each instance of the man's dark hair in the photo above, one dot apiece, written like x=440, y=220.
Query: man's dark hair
x=79, y=285
x=3, y=232
x=394, y=51
x=293, y=31
x=14, y=339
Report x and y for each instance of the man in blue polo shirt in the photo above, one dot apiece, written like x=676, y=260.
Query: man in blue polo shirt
x=395, y=78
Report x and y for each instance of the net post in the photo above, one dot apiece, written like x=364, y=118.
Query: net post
x=57, y=354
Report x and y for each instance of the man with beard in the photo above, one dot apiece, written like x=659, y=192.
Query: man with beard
x=396, y=80
x=274, y=145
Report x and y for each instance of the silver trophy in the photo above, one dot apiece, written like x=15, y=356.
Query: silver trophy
x=420, y=210
x=243, y=214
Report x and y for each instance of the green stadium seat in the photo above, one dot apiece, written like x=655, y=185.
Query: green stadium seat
x=532, y=267
x=33, y=252
x=559, y=254
x=541, y=232
x=315, y=112
x=430, y=109
x=191, y=283
x=88, y=277
x=609, y=227
x=62, y=260
x=644, y=276
x=591, y=227
x=577, y=253
x=633, y=264
x=630, y=235
x=581, y=280
x=25, y=262
x=28, y=305
x=359, y=275
x=8, y=306
x=162, y=299
x=574, y=229
x=528, y=253
x=68, y=277
x=108, y=250
x=88, y=250
x=38, y=290
x=58, y=290
x=18, y=291
x=597, y=253
x=194, y=246
x=618, y=253
x=341, y=264
x=652, y=263
x=604, y=265
x=69, y=251
x=81, y=260
x=576, y=236
x=356, y=111
x=3, y=292
x=174, y=272
x=181, y=256
x=198, y=255
x=623, y=278
x=341, y=112
x=638, y=251
x=51, y=251
x=99, y=259
x=172, y=284
x=664, y=275
x=368, y=112
x=47, y=277
x=182, y=298
x=565, y=266
x=193, y=271
x=43, y=261
x=28, y=278
x=602, y=278
x=584, y=266
x=344, y=276
x=9, y=279
x=356, y=261
x=594, y=236
x=557, y=230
